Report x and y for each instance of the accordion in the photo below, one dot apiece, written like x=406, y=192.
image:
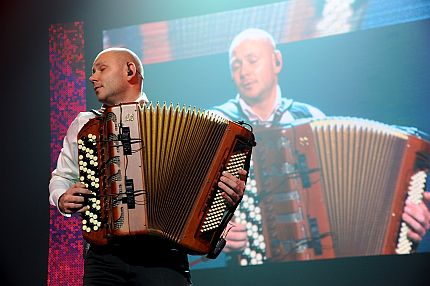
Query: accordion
x=154, y=170
x=337, y=187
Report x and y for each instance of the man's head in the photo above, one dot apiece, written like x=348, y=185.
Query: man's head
x=255, y=64
x=117, y=76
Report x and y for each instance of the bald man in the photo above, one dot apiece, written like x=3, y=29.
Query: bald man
x=117, y=77
x=255, y=64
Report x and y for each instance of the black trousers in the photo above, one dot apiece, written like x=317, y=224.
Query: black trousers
x=136, y=262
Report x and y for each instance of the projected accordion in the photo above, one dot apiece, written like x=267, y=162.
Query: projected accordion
x=154, y=171
x=337, y=187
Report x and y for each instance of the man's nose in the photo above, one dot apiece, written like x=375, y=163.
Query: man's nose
x=245, y=69
x=92, y=78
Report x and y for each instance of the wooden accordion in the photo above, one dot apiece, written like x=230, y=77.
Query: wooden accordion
x=154, y=171
x=337, y=187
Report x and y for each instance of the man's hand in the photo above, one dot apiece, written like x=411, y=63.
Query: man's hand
x=237, y=238
x=418, y=218
x=233, y=187
x=73, y=199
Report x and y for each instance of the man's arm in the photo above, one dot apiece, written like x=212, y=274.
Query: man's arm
x=65, y=176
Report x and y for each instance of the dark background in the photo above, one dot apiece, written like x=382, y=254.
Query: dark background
x=25, y=108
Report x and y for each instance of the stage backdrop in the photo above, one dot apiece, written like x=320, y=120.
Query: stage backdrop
x=348, y=58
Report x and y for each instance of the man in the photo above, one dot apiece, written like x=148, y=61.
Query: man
x=255, y=64
x=117, y=77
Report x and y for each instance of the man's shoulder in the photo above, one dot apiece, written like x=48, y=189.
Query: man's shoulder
x=232, y=103
x=85, y=116
x=306, y=109
x=81, y=119
x=229, y=109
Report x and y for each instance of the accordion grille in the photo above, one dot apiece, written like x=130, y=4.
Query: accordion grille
x=359, y=163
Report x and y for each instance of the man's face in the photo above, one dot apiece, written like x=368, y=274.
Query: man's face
x=109, y=77
x=253, y=69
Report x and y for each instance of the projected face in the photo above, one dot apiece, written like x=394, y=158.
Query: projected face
x=109, y=78
x=254, y=68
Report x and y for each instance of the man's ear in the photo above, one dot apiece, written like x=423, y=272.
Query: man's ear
x=277, y=57
x=131, y=69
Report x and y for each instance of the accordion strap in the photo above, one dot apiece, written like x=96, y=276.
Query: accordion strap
x=97, y=112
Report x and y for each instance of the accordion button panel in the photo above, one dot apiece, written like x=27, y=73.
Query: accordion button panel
x=87, y=152
x=415, y=195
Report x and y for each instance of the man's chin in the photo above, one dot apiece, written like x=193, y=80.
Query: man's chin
x=107, y=101
x=250, y=96
x=100, y=97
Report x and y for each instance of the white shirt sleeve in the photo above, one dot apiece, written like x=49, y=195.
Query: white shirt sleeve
x=67, y=172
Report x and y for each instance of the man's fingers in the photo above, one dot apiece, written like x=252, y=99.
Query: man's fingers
x=242, y=174
x=228, y=180
x=426, y=197
x=79, y=185
x=81, y=191
x=419, y=213
x=234, y=183
x=74, y=198
x=234, y=245
x=83, y=209
x=70, y=208
x=414, y=236
x=232, y=186
x=227, y=195
x=417, y=229
x=237, y=227
x=425, y=215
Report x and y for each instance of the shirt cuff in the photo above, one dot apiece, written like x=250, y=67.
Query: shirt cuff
x=55, y=197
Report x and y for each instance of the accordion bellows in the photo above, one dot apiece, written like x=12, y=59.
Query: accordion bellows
x=343, y=187
x=154, y=171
